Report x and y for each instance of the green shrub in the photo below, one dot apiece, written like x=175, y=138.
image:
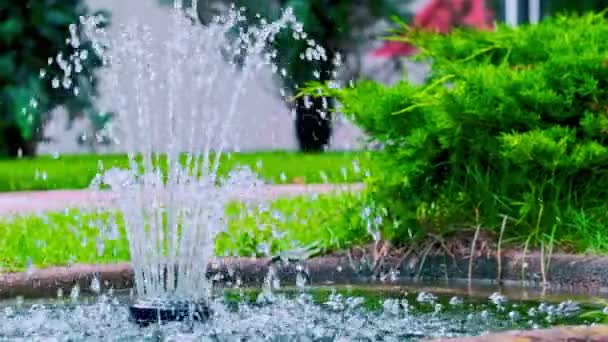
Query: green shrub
x=512, y=122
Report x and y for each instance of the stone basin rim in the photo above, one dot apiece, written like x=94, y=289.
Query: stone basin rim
x=580, y=274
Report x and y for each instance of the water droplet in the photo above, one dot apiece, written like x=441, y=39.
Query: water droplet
x=55, y=83
x=498, y=299
x=425, y=297
x=100, y=246
x=344, y=173
x=324, y=177
x=19, y=301
x=276, y=283
x=9, y=311
x=568, y=307
x=300, y=280
x=42, y=73
x=391, y=306
x=95, y=285
x=356, y=167
x=456, y=301
x=29, y=266
x=75, y=293
x=67, y=83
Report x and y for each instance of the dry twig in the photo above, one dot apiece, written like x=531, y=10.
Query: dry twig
x=441, y=242
x=542, y=263
x=499, y=249
x=477, y=229
x=426, y=252
x=380, y=257
x=523, y=260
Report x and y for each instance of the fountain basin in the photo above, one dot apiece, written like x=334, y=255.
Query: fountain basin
x=574, y=274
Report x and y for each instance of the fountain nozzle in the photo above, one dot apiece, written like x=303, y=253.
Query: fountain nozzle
x=146, y=312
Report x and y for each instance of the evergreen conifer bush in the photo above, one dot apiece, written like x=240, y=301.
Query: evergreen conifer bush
x=511, y=122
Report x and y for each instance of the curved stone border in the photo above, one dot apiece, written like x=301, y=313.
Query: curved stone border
x=598, y=333
x=48, y=282
x=247, y=271
x=568, y=273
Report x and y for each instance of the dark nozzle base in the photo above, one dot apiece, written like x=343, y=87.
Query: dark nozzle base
x=145, y=312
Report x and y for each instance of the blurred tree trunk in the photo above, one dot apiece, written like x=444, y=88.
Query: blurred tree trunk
x=15, y=144
x=313, y=122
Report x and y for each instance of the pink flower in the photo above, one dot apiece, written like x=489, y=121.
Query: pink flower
x=479, y=16
x=441, y=16
x=390, y=49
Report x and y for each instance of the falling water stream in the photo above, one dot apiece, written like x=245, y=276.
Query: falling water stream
x=171, y=197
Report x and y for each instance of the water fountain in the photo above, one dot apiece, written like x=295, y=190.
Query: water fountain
x=171, y=197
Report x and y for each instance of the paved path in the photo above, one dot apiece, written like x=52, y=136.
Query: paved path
x=41, y=201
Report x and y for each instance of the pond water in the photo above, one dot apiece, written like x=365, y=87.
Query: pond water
x=334, y=313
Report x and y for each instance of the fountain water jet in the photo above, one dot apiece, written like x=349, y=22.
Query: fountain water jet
x=171, y=197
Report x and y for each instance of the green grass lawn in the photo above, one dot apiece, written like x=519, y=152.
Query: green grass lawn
x=77, y=171
x=318, y=224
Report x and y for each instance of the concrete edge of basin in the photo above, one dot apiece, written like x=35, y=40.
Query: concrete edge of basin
x=595, y=333
x=577, y=273
x=566, y=272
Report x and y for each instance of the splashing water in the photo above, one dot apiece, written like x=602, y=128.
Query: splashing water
x=316, y=315
x=171, y=197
